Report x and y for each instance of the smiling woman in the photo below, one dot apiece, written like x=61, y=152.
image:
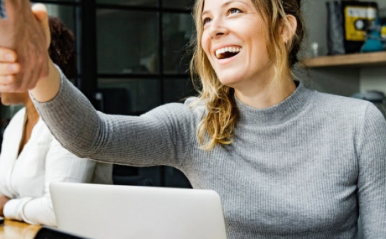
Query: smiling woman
x=287, y=161
x=243, y=46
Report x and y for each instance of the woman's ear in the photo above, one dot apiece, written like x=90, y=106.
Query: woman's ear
x=288, y=29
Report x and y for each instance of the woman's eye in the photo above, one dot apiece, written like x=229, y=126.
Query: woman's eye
x=205, y=21
x=234, y=10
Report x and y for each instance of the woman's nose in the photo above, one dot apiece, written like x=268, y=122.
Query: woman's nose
x=218, y=28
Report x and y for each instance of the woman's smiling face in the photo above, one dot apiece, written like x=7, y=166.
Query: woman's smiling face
x=234, y=41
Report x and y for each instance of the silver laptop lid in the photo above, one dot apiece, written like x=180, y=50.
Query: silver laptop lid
x=120, y=212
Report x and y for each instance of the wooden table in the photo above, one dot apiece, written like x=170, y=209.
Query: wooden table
x=18, y=230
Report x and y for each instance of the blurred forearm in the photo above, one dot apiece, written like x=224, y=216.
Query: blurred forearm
x=47, y=88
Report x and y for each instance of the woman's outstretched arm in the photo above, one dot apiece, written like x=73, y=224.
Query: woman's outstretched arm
x=159, y=137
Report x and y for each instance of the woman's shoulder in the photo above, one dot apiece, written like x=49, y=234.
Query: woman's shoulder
x=40, y=132
x=16, y=121
x=342, y=104
x=346, y=110
x=19, y=115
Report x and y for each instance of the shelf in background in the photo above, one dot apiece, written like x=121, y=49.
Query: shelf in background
x=364, y=59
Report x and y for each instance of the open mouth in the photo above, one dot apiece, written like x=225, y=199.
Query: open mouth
x=227, y=52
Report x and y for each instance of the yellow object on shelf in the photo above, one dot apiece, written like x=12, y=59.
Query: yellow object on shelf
x=357, y=19
x=383, y=32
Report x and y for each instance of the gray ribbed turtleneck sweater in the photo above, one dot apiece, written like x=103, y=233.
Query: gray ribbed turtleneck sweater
x=305, y=168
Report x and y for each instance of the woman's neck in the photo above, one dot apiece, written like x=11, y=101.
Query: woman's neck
x=31, y=112
x=32, y=117
x=266, y=93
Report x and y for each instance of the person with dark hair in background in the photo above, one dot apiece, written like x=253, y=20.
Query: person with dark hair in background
x=31, y=158
x=287, y=161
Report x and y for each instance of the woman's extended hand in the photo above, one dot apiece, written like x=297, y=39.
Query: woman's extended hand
x=23, y=33
x=9, y=67
x=14, y=68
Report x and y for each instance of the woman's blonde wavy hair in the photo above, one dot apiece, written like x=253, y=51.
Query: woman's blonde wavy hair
x=218, y=124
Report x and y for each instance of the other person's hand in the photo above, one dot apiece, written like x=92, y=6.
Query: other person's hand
x=23, y=33
x=3, y=201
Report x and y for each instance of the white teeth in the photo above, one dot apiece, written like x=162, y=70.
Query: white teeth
x=227, y=49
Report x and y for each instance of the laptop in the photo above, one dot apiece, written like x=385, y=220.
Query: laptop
x=125, y=212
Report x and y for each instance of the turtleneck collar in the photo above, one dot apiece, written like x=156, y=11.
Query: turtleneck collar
x=277, y=114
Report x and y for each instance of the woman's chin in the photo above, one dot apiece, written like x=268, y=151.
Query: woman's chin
x=230, y=81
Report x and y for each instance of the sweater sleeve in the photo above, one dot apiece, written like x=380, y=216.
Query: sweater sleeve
x=61, y=166
x=372, y=174
x=155, y=138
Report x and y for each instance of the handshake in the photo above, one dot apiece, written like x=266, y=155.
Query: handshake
x=24, y=43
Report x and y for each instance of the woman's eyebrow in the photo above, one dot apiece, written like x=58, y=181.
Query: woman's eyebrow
x=223, y=5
